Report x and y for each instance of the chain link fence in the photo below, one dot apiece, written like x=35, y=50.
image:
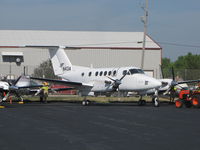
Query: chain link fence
x=182, y=74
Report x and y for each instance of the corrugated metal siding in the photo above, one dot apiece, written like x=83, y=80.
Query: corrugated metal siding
x=105, y=57
x=96, y=57
x=75, y=38
x=98, y=54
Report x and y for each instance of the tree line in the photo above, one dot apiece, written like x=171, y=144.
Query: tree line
x=185, y=67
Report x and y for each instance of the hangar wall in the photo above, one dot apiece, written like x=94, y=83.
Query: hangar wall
x=85, y=57
x=115, y=49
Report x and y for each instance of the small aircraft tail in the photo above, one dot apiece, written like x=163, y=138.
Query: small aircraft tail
x=24, y=82
x=60, y=61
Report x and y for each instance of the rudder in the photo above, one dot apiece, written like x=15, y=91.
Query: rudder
x=60, y=61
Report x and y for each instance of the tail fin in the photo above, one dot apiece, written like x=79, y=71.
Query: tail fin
x=22, y=81
x=60, y=61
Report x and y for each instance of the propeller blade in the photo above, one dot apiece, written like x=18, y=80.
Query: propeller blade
x=173, y=75
x=167, y=91
x=123, y=76
x=162, y=73
x=117, y=82
x=111, y=79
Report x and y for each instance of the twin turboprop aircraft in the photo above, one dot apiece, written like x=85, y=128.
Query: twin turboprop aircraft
x=93, y=80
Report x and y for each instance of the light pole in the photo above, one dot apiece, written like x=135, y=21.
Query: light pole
x=144, y=19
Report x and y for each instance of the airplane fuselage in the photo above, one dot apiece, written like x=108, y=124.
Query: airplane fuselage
x=99, y=79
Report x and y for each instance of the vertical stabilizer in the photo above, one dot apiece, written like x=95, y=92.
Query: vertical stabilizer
x=60, y=61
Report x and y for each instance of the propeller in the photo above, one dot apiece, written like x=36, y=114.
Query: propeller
x=117, y=82
x=174, y=83
x=162, y=73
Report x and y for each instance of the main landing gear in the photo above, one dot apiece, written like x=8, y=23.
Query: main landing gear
x=85, y=102
x=155, y=101
x=141, y=102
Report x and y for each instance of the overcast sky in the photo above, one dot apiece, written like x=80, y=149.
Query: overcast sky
x=174, y=24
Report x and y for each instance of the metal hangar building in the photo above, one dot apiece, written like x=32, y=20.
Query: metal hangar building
x=92, y=48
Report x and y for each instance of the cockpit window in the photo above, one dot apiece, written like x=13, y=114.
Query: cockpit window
x=124, y=72
x=134, y=71
x=140, y=71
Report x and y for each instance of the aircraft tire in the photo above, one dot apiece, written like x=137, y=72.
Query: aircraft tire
x=156, y=101
x=85, y=102
x=141, y=102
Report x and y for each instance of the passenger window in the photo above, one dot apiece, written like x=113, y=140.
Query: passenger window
x=89, y=74
x=109, y=73
x=105, y=73
x=96, y=74
x=114, y=73
x=101, y=73
x=82, y=74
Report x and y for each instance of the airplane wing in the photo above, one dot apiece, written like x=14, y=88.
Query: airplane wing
x=188, y=81
x=76, y=85
x=31, y=86
x=61, y=89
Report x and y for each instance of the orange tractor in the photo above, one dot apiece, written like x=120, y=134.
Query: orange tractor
x=188, y=98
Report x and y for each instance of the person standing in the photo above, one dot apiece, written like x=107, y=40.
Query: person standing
x=43, y=92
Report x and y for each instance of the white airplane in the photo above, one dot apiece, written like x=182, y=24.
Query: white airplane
x=92, y=80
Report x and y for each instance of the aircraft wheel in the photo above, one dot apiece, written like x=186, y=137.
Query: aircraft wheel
x=156, y=101
x=141, y=102
x=85, y=102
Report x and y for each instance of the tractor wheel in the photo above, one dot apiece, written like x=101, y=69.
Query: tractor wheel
x=179, y=103
x=196, y=101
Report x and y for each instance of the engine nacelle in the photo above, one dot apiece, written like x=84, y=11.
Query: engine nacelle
x=4, y=85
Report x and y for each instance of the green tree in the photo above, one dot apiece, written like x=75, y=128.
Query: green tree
x=45, y=70
x=188, y=62
x=166, y=67
x=186, y=67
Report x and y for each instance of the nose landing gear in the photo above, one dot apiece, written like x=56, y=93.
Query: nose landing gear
x=155, y=101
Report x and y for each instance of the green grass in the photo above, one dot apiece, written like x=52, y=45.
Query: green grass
x=69, y=98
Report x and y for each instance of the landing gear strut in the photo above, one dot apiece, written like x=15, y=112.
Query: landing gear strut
x=155, y=101
x=141, y=102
